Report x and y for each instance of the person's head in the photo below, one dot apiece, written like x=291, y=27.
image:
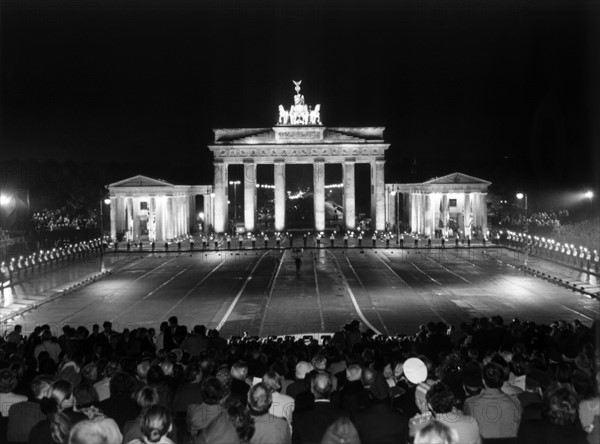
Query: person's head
x=440, y=398
x=121, y=384
x=90, y=373
x=193, y=373
x=224, y=377
x=40, y=386
x=560, y=406
x=8, y=381
x=302, y=369
x=107, y=326
x=94, y=432
x=436, y=433
x=146, y=397
x=259, y=398
x=141, y=370
x=272, y=380
x=368, y=376
x=156, y=422
x=493, y=375
x=319, y=361
x=111, y=369
x=61, y=392
x=354, y=372
x=239, y=370
x=85, y=396
x=173, y=321
x=321, y=385
x=211, y=390
x=341, y=431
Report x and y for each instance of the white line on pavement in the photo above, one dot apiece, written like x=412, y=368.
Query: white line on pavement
x=192, y=289
x=237, y=297
x=355, y=303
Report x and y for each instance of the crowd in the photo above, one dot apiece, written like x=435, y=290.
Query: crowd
x=548, y=221
x=60, y=219
x=482, y=381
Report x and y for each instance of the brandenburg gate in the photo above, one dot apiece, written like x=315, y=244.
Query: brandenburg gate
x=454, y=204
x=299, y=138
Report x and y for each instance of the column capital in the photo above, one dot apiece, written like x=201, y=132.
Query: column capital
x=319, y=160
x=278, y=161
x=350, y=160
x=249, y=161
x=379, y=161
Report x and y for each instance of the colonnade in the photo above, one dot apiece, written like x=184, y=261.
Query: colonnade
x=221, y=216
x=427, y=212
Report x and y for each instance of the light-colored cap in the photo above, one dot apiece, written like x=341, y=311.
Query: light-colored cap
x=415, y=370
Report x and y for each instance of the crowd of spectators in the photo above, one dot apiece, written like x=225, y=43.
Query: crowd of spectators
x=586, y=232
x=60, y=219
x=546, y=221
x=482, y=381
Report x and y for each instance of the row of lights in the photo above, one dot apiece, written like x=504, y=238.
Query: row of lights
x=521, y=237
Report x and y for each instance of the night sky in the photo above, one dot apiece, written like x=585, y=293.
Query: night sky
x=504, y=90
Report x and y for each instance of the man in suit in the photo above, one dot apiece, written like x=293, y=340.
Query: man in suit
x=379, y=423
x=310, y=425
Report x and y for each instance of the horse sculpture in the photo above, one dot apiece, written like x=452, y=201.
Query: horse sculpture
x=315, y=115
x=284, y=116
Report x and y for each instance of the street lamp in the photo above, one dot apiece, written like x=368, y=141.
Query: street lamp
x=397, y=196
x=235, y=183
x=589, y=194
x=523, y=196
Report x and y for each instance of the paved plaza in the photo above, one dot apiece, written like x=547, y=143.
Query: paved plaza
x=390, y=290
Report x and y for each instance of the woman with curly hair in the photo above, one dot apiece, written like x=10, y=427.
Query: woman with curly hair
x=559, y=423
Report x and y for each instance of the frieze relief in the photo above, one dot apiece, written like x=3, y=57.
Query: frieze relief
x=296, y=152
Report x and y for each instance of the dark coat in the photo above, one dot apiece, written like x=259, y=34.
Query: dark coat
x=310, y=425
x=380, y=424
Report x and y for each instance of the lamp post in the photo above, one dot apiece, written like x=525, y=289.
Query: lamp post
x=235, y=183
x=523, y=196
x=396, y=194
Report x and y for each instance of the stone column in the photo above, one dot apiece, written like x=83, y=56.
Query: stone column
x=319, y=193
x=392, y=197
x=483, y=199
x=349, y=195
x=467, y=218
x=151, y=218
x=136, y=218
x=113, y=218
x=413, y=213
x=249, y=194
x=129, y=218
x=158, y=217
x=445, y=214
x=279, y=175
x=220, y=200
x=379, y=195
x=428, y=219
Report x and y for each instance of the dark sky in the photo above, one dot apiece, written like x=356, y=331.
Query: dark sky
x=498, y=89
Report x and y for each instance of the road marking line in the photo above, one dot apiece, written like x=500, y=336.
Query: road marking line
x=151, y=293
x=264, y=316
x=575, y=311
x=399, y=277
x=318, y=296
x=355, y=302
x=449, y=271
x=411, y=263
x=237, y=297
x=192, y=289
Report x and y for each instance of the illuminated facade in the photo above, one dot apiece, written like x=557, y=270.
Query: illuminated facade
x=142, y=208
x=454, y=204
x=443, y=206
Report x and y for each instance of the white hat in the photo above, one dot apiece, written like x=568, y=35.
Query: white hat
x=415, y=370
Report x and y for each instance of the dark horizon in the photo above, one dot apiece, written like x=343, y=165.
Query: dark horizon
x=505, y=91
